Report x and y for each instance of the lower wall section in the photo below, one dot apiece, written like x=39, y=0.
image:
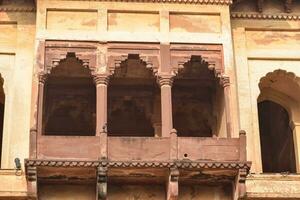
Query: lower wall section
x=66, y=192
x=136, y=192
x=198, y=192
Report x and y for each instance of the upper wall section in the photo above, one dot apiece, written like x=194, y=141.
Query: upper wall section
x=197, y=22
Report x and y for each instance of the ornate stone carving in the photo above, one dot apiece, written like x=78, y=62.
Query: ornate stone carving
x=288, y=6
x=224, y=81
x=210, y=55
x=165, y=80
x=101, y=79
x=102, y=183
x=118, y=53
x=139, y=164
x=210, y=2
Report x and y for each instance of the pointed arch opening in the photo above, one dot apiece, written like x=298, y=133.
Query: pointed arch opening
x=70, y=100
x=2, y=106
x=133, y=100
x=277, y=109
x=198, y=101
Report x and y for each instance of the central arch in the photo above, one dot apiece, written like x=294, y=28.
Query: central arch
x=133, y=100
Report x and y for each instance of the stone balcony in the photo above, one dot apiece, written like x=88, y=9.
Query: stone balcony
x=164, y=149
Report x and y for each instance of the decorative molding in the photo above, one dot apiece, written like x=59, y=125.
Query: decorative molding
x=119, y=52
x=181, y=164
x=17, y=9
x=224, y=81
x=209, y=54
x=260, y=16
x=268, y=79
x=56, y=52
x=205, y=2
x=101, y=79
x=165, y=80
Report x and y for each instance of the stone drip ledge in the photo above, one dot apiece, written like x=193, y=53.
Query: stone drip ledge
x=262, y=16
x=138, y=164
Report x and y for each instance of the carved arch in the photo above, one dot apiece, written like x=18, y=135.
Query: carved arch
x=287, y=98
x=118, y=53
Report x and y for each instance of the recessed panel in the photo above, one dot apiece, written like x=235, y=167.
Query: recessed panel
x=195, y=23
x=8, y=35
x=71, y=20
x=133, y=21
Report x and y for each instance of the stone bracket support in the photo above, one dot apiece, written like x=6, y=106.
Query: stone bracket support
x=172, y=184
x=101, y=183
x=32, y=182
x=240, y=184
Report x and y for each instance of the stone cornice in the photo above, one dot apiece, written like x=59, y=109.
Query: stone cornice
x=211, y=2
x=17, y=9
x=180, y=164
x=261, y=16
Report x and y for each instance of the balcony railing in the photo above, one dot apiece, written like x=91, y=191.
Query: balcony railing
x=141, y=148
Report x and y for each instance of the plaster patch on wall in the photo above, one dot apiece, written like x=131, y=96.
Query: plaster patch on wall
x=133, y=21
x=8, y=36
x=195, y=23
x=273, y=39
x=71, y=20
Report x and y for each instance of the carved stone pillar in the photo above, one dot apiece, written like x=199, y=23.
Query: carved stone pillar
x=101, y=81
x=42, y=79
x=225, y=82
x=165, y=82
x=172, y=184
x=102, y=183
x=32, y=182
x=174, y=145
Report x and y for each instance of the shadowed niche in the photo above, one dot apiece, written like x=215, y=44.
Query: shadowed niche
x=70, y=100
x=133, y=100
x=276, y=138
x=194, y=98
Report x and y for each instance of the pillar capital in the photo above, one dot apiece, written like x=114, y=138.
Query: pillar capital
x=101, y=79
x=224, y=81
x=42, y=76
x=165, y=79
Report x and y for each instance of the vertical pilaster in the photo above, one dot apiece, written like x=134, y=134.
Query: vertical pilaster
x=296, y=136
x=102, y=183
x=42, y=79
x=225, y=82
x=165, y=82
x=172, y=184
